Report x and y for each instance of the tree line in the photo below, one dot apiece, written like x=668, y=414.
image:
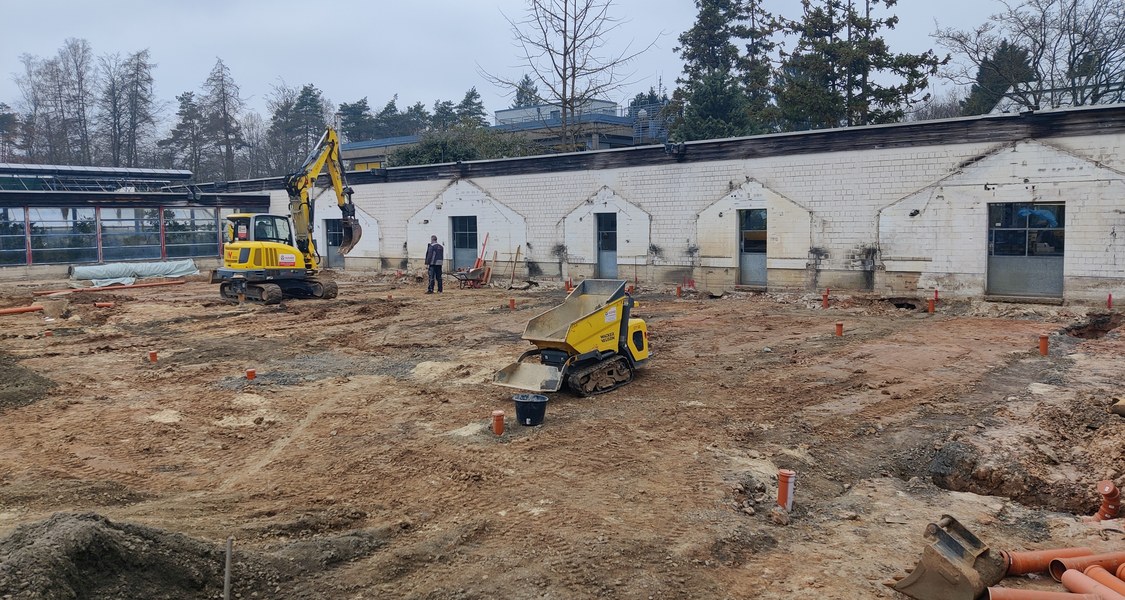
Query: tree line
x=745, y=71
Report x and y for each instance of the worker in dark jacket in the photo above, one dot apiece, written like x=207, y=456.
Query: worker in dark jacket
x=435, y=254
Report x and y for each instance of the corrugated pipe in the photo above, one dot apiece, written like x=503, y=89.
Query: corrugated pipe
x=997, y=593
x=1120, y=572
x=1022, y=563
x=20, y=309
x=1100, y=575
x=1109, y=560
x=1079, y=583
x=1111, y=501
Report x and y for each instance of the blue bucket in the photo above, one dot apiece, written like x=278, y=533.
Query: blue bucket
x=530, y=409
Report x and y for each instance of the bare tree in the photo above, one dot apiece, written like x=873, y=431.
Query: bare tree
x=79, y=79
x=562, y=43
x=111, y=122
x=1076, y=50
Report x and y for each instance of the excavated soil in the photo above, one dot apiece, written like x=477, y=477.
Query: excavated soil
x=359, y=462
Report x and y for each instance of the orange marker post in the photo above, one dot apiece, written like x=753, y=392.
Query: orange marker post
x=839, y=328
x=498, y=422
x=930, y=308
x=824, y=298
x=679, y=291
x=1043, y=345
x=251, y=374
x=786, y=485
x=152, y=356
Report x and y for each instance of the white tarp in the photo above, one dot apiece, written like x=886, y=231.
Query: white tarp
x=128, y=273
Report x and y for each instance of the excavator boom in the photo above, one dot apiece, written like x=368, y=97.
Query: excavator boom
x=299, y=183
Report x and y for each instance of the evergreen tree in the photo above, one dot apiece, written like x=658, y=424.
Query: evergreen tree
x=527, y=93
x=415, y=119
x=758, y=29
x=461, y=144
x=1008, y=66
x=832, y=78
x=445, y=115
x=470, y=111
x=388, y=121
x=221, y=105
x=715, y=108
x=140, y=106
x=356, y=121
x=9, y=129
x=188, y=142
x=311, y=117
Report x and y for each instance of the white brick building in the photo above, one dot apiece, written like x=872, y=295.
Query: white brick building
x=1024, y=205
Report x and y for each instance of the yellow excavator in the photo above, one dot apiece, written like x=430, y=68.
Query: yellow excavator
x=270, y=257
x=591, y=342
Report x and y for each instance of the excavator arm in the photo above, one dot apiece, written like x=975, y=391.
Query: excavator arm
x=300, y=183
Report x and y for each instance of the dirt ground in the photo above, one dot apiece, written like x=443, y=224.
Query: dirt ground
x=359, y=462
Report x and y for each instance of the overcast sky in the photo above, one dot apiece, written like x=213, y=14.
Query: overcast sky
x=422, y=50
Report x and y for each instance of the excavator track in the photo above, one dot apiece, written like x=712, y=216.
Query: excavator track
x=266, y=293
x=601, y=377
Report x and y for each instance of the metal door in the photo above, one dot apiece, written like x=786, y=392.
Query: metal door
x=333, y=238
x=607, y=245
x=752, y=246
x=464, y=242
x=1025, y=249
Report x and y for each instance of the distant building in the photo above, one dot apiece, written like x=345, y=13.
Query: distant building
x=602, y=125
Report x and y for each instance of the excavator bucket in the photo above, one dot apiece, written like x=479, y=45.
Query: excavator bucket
x=352, y=233
x=955, y=566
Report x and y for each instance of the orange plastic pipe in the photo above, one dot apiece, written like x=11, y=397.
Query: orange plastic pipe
x=1043, y=348
x=930, y=308
x=108, y=288
x=839, y=328
x=498, y=422
x=1120, y=572
x=20, y=309
x=103, y=304
x=996, y=593
x=1109, y=560
x=1100, y=575
x=1077, y=582
x=786, y=486
x=1037, y=561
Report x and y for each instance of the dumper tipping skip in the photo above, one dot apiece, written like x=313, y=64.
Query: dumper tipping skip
x=590, y=342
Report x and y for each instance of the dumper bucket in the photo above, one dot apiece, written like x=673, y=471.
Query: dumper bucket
x=955, y=566
x=529, y=376
x=352, y=232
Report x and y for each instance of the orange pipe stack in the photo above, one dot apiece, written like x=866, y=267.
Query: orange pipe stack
x=1109, y=561
x=1080, y=583
x=995, y=593
x=1038, y=561
x=1111, y=501
x=1100, y=575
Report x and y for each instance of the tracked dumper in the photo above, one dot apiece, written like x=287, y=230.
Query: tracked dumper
x=590, y=343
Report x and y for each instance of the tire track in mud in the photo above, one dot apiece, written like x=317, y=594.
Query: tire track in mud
x=278, y=447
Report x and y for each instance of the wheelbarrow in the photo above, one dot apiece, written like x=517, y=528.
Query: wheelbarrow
x=470, y=278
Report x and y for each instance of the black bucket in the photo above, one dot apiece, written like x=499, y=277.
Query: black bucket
x=530, y=408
